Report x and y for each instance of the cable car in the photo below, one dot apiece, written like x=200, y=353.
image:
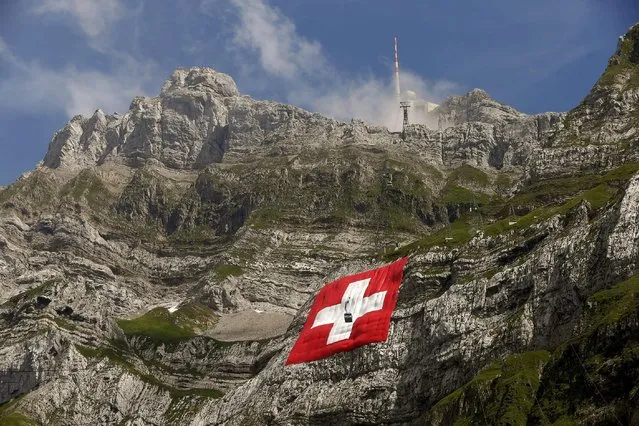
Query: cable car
x=348, y=317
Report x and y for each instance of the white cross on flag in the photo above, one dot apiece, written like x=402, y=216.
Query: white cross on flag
x=349, y=313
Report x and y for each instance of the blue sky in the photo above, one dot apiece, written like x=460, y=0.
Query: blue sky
x=59, y=58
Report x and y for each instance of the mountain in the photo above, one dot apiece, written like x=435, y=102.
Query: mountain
x=157, y=266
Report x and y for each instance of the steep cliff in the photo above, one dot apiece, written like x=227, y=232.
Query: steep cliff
x=158, y=266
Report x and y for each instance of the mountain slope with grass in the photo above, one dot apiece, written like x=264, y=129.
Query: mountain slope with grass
x=158, y=266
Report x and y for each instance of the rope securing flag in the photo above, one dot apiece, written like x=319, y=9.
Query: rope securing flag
x=349, y=312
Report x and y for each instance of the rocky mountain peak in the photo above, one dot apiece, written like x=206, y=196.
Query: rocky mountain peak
x=608, y=115
x=477, y=94
x=623, y=66
x=185, y=127
x=475, y=106
x=628, y=46
x=200, y=79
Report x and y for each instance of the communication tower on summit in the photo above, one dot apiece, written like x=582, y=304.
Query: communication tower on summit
x=421, y=108
x=404, y=106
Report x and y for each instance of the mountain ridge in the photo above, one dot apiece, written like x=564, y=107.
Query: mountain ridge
x=143, y=239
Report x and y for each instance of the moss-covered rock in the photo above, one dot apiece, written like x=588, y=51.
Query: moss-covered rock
x=592, y=379
x=501, y=394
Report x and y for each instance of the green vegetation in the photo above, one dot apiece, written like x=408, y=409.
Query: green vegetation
x=542, y=200
x=264, y=217
x=453, y=194
x=37, y=186
x=113, y=356
x=504, y=181
x=558, y=196
x=63, y=323
x=341, y=195
x=615, y=304
x=27, y=295
x=597, y=197
x=430, y=172
x=194, y=316
x=567, y=122
x=504, y=390
x=88, y=352
x=87, y=185
x=460, y=231
x=455, y=191
x=16, y=419
x=469, y=175
x=624, y=63
x=490, y=273
x=552, y=191
x=147, y=203
x=196, y=235
x=621, y=174
x=224, y=271
x=591, y=379
x=454, y=235
x=271, y=216
x=158, y=326
x=596, y=375
x=396, y=219
x=10, y=417
x=178, y=409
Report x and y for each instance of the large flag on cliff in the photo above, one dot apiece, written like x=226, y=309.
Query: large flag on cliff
x=349, y=313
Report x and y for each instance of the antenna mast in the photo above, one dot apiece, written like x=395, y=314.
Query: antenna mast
x=397, y=91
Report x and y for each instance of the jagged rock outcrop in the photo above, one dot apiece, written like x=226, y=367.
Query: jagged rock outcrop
x=199, y=117
x=183, y=128
x=601, y=132
x=158, y=265
x=478, y=106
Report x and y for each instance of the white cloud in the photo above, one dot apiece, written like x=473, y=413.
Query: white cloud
x=31, y=87
x=372, y=99
x=264, y=35
x=281, y=50
x=93, y=16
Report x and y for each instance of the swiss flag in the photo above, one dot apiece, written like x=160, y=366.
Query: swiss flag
x=366, y=299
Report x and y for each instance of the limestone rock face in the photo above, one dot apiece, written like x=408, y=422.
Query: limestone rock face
x=199, y=117
x=185, y=127
x=188, y=81
x=601, y=132
x=438, y=342
x=81, y=142
x=476, y=105
x=157, y=267
x=476, y=129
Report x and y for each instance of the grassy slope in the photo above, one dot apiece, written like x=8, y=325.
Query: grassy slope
x=158, y=326
x=540, y=201
x=161, y=327
x=626, y=63
x=594, y=378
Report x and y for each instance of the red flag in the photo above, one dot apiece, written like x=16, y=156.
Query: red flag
x=349, y=313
